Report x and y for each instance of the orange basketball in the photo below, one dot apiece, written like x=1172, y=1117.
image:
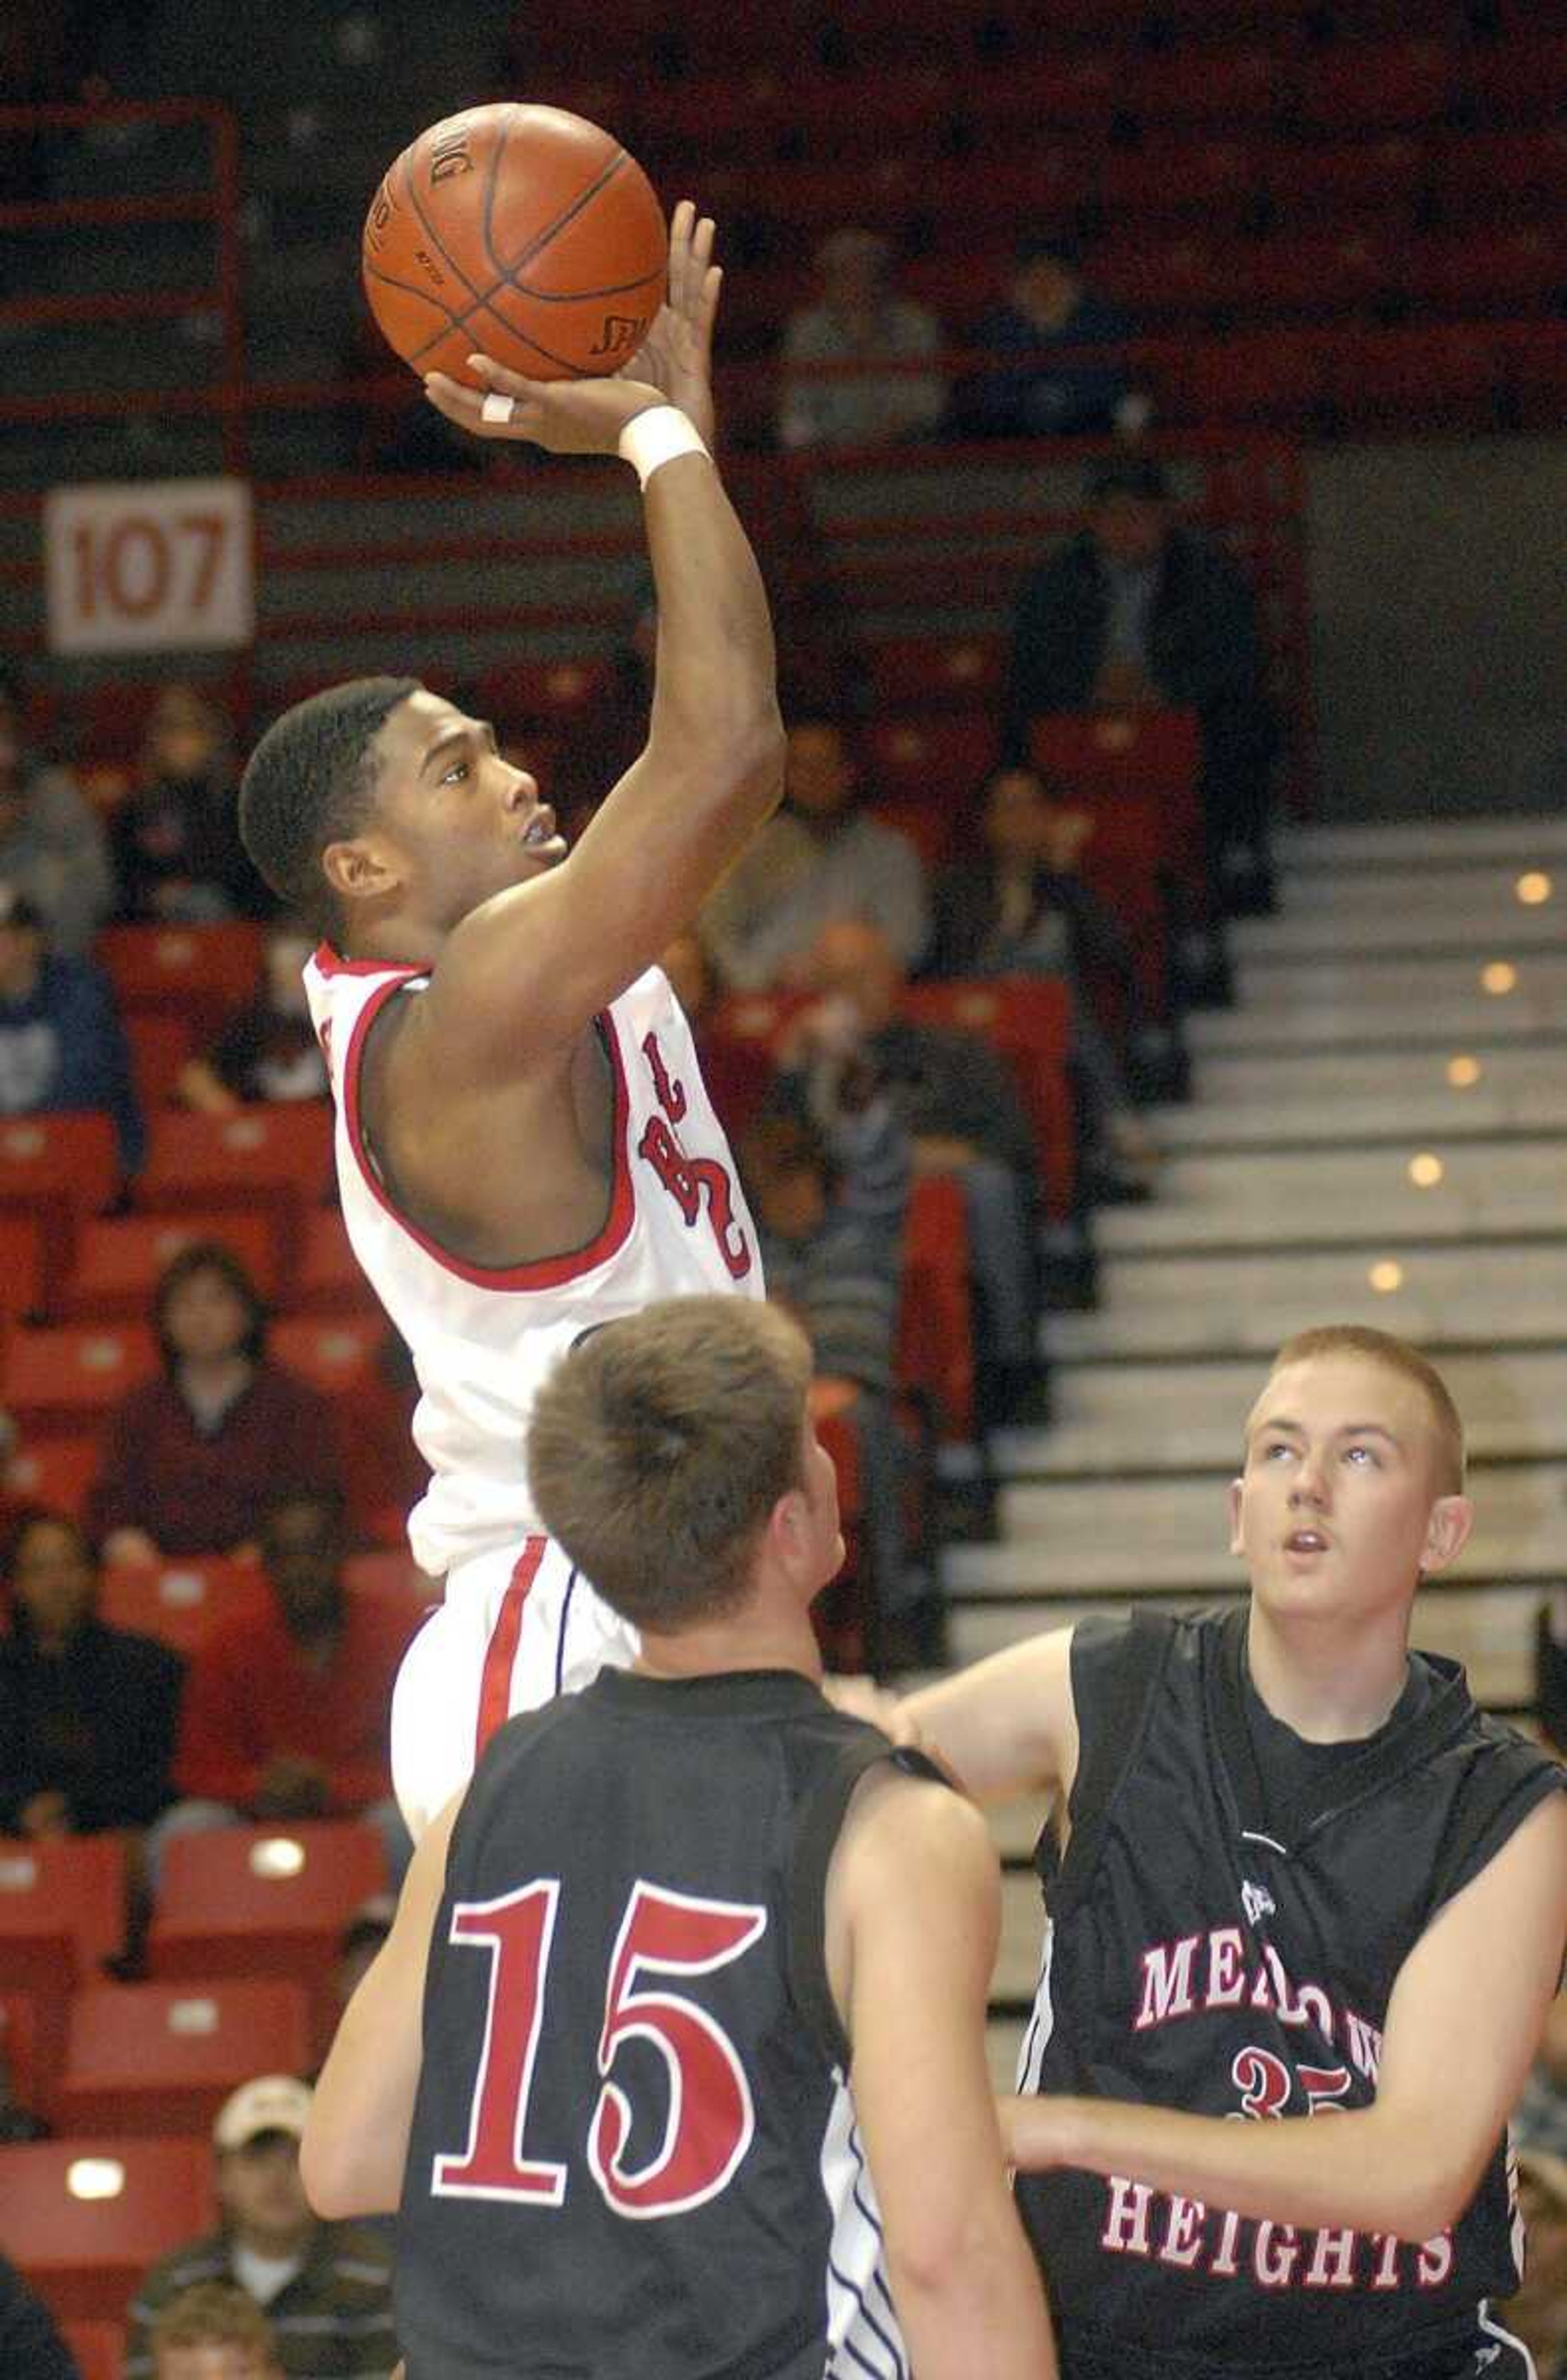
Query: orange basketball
x=521, y=231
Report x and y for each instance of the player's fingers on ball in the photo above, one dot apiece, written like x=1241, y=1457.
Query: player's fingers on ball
x=498, y=377
x=449, y=397
x=702, y=239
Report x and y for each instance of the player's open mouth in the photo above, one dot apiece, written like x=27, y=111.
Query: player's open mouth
x=541, y=828
x=1305, y=1541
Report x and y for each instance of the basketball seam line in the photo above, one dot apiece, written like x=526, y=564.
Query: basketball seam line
x=541, y=239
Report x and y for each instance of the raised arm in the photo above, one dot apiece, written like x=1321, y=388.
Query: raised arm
x=1009, y=1725
x=356, y=2142
x=914, y=1913
x=1481, y=1976
x=525, y=971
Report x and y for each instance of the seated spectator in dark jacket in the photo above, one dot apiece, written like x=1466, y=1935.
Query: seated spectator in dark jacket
x=53, y=847
x=174, y=838
x=88, y=1713
x=288, y=1704
x=1017, y=907
x=829, y=1193
x=192, y=1458
x=268, y=1049
x=31, y=2347
x=325, y=2287
x=1139, y=611
x=61, y=1045
x=1052, y=349
x=959, y=1106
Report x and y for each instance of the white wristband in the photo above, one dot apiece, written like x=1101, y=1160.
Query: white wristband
x=651, y=439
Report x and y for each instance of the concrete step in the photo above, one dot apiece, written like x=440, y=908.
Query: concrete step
x=1003, y=2036
x=1496, y=1649
x=1391, y=1005
x=1314, y=1197
x=1422, y=1117
x=1078, y=1537
x=1187, y=1416
x=1485, y=1297
x=1506, y=1070
x=1016, y=1972
x=1430, y=843
x=1484, y=886
x=1488, y=926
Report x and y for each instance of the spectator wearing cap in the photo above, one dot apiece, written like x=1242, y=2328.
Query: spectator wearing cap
x=1051, y=347
x=325, y=2287
x=61, y=1045
x=214, y=2332
x=53, y=847
x=1138, y=611
x=842, y=386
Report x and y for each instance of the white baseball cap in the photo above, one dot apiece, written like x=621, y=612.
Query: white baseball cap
x=273, y=2102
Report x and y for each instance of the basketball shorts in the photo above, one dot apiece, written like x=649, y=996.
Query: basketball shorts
x=514, y=1628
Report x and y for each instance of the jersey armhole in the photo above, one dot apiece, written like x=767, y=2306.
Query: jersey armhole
x=1116, y=1666
x=819, y=1823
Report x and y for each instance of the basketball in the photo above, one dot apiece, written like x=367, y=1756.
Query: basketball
x=521, y=231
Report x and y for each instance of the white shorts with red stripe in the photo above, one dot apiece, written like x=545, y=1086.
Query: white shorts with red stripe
x=514, y=1628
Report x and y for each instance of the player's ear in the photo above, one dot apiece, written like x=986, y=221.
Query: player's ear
x=1232, y=1495
x=1447, y=1531
x=358, y=870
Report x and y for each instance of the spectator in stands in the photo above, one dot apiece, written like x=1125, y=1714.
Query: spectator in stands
x=88, y=1713
x=192, y=1458
x=61, y=1045
x=177, y=855
x=325, y=2287
x=31, y=2347
x=1018, y=906
x=1051, y=363
x=861, y=329
x=1138, y=611
x=214, y=2332
x=822, y=859
x=957, y=1102
x=829, y=1193
x=52, y=848
x=289, y=1701
x=268, y=1049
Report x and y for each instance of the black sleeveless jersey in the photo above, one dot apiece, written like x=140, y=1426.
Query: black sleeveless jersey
x=633, y=2155
x=1210, y=1950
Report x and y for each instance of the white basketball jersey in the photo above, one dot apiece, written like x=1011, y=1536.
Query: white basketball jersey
x=482, y=1338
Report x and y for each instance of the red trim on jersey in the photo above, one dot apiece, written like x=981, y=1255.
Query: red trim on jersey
x=499, y=1653
x=548, y=1272
x=328, y=964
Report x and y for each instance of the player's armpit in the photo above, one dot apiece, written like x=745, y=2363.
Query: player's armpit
x=356, y=2141
x=913, y=1921
x=1009, y=1725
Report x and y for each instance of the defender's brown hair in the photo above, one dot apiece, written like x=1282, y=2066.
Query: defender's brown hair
x=658, y=1447
x=1394, y=1355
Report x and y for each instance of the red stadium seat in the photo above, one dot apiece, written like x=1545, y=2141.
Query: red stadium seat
x=942, y=762
x=338, y=1353
x=1437, y=374
x=926, y=673
x=1212, y=181
x=1312, y=276
x=1275, y=378
x=1486, y=271
x=57, y=1168
x=161, y=1048
x=1532, y=363
x=1223, y=88
x=1027, y=1021
x=263, y=1901
x=933, y=1357
x=62, y=1913
x=24, y=1273
x=1077, y=95
x=1155, y=278
x=1350, y=179
x=1100, y=757
x=58, y=1472
x=21, y=2069
x=162, y=2058
x=179, y=1602
x=83, y=2220
x=279, y=1153
x=1494, y=174
x=200, y=971
x=118, y=1259
x=327, y=1279
x=1518, y=81
x=556, y=693
x=1374, y=87
x=98, y=2348
x=62, y=1382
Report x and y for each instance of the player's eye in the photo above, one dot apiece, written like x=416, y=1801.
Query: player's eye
x=1278, y=1446
x=1362, y=1456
